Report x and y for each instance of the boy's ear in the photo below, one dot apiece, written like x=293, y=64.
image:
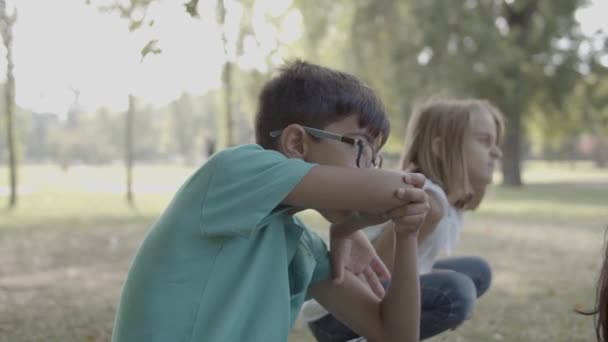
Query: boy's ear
x=437, y=146
x=293, y=141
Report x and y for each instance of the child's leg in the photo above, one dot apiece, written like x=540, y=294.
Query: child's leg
x=447, y=300
x=474, y=267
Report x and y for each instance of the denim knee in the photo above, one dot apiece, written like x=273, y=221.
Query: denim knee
x=483, y=275
x=330, y=329
x=465, y=294
x=460, y=293
x=475, y=267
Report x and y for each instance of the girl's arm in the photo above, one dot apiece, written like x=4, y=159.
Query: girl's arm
x=385, y=242
x=394, y=318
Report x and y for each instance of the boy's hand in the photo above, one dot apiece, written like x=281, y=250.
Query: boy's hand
x=354, y=252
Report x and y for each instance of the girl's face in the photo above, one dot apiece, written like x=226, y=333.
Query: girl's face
x=480, y=148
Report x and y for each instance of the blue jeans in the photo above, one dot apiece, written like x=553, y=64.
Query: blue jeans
x=447, y=299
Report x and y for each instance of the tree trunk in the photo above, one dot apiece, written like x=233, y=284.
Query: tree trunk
x=511, y=160
x=600, y=162
x=7, y=36
x=600, y=155
x=226, y=121
x=511, y=165
x=129, y=149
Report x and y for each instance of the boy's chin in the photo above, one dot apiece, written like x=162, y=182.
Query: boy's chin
x=334, y=216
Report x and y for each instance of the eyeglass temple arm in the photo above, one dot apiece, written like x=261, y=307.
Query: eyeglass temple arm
x=328, y=135
x=319, y=134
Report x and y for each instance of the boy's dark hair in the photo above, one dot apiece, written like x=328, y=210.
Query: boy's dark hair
x=315, y=96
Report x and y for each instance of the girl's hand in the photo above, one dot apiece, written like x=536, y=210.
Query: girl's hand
x=416, y=180
x=408, y=218
x=409, y=225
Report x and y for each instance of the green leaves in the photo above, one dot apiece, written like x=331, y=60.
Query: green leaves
x=191, y=8
x=135, y=24
x=150, y=48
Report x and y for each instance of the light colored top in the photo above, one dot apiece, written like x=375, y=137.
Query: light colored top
x=224, y=262
x=446, y=235
x=444, y=238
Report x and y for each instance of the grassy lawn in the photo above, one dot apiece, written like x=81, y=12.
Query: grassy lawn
x=67, y=247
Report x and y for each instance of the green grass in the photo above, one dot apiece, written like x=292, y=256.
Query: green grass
x=553, y=191
x=87, y=195
x=548, y=201
x=65, y=251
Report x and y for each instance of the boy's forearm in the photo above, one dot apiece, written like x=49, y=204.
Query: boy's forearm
x=339, y=188
x=400, y=308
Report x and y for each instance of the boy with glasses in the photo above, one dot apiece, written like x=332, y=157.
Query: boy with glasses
x=364, y=146
x=228, y=261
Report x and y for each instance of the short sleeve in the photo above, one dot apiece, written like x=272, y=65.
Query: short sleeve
x=433, y=188
x=246, y=184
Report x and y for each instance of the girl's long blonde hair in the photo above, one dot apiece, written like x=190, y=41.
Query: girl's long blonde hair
x=449, y=120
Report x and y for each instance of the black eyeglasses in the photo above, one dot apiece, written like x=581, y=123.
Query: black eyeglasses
x=365, y=149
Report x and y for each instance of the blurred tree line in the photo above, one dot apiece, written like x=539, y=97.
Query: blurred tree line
x=179, y=131
x=529, y=57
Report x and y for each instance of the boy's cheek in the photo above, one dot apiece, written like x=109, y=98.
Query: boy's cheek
x=334, y=216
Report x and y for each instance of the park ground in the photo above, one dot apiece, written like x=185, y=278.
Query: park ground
x=65, y=251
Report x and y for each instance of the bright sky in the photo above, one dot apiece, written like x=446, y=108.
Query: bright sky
x=61, y=45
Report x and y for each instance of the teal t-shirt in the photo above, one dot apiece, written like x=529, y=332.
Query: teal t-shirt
x=225, y=261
